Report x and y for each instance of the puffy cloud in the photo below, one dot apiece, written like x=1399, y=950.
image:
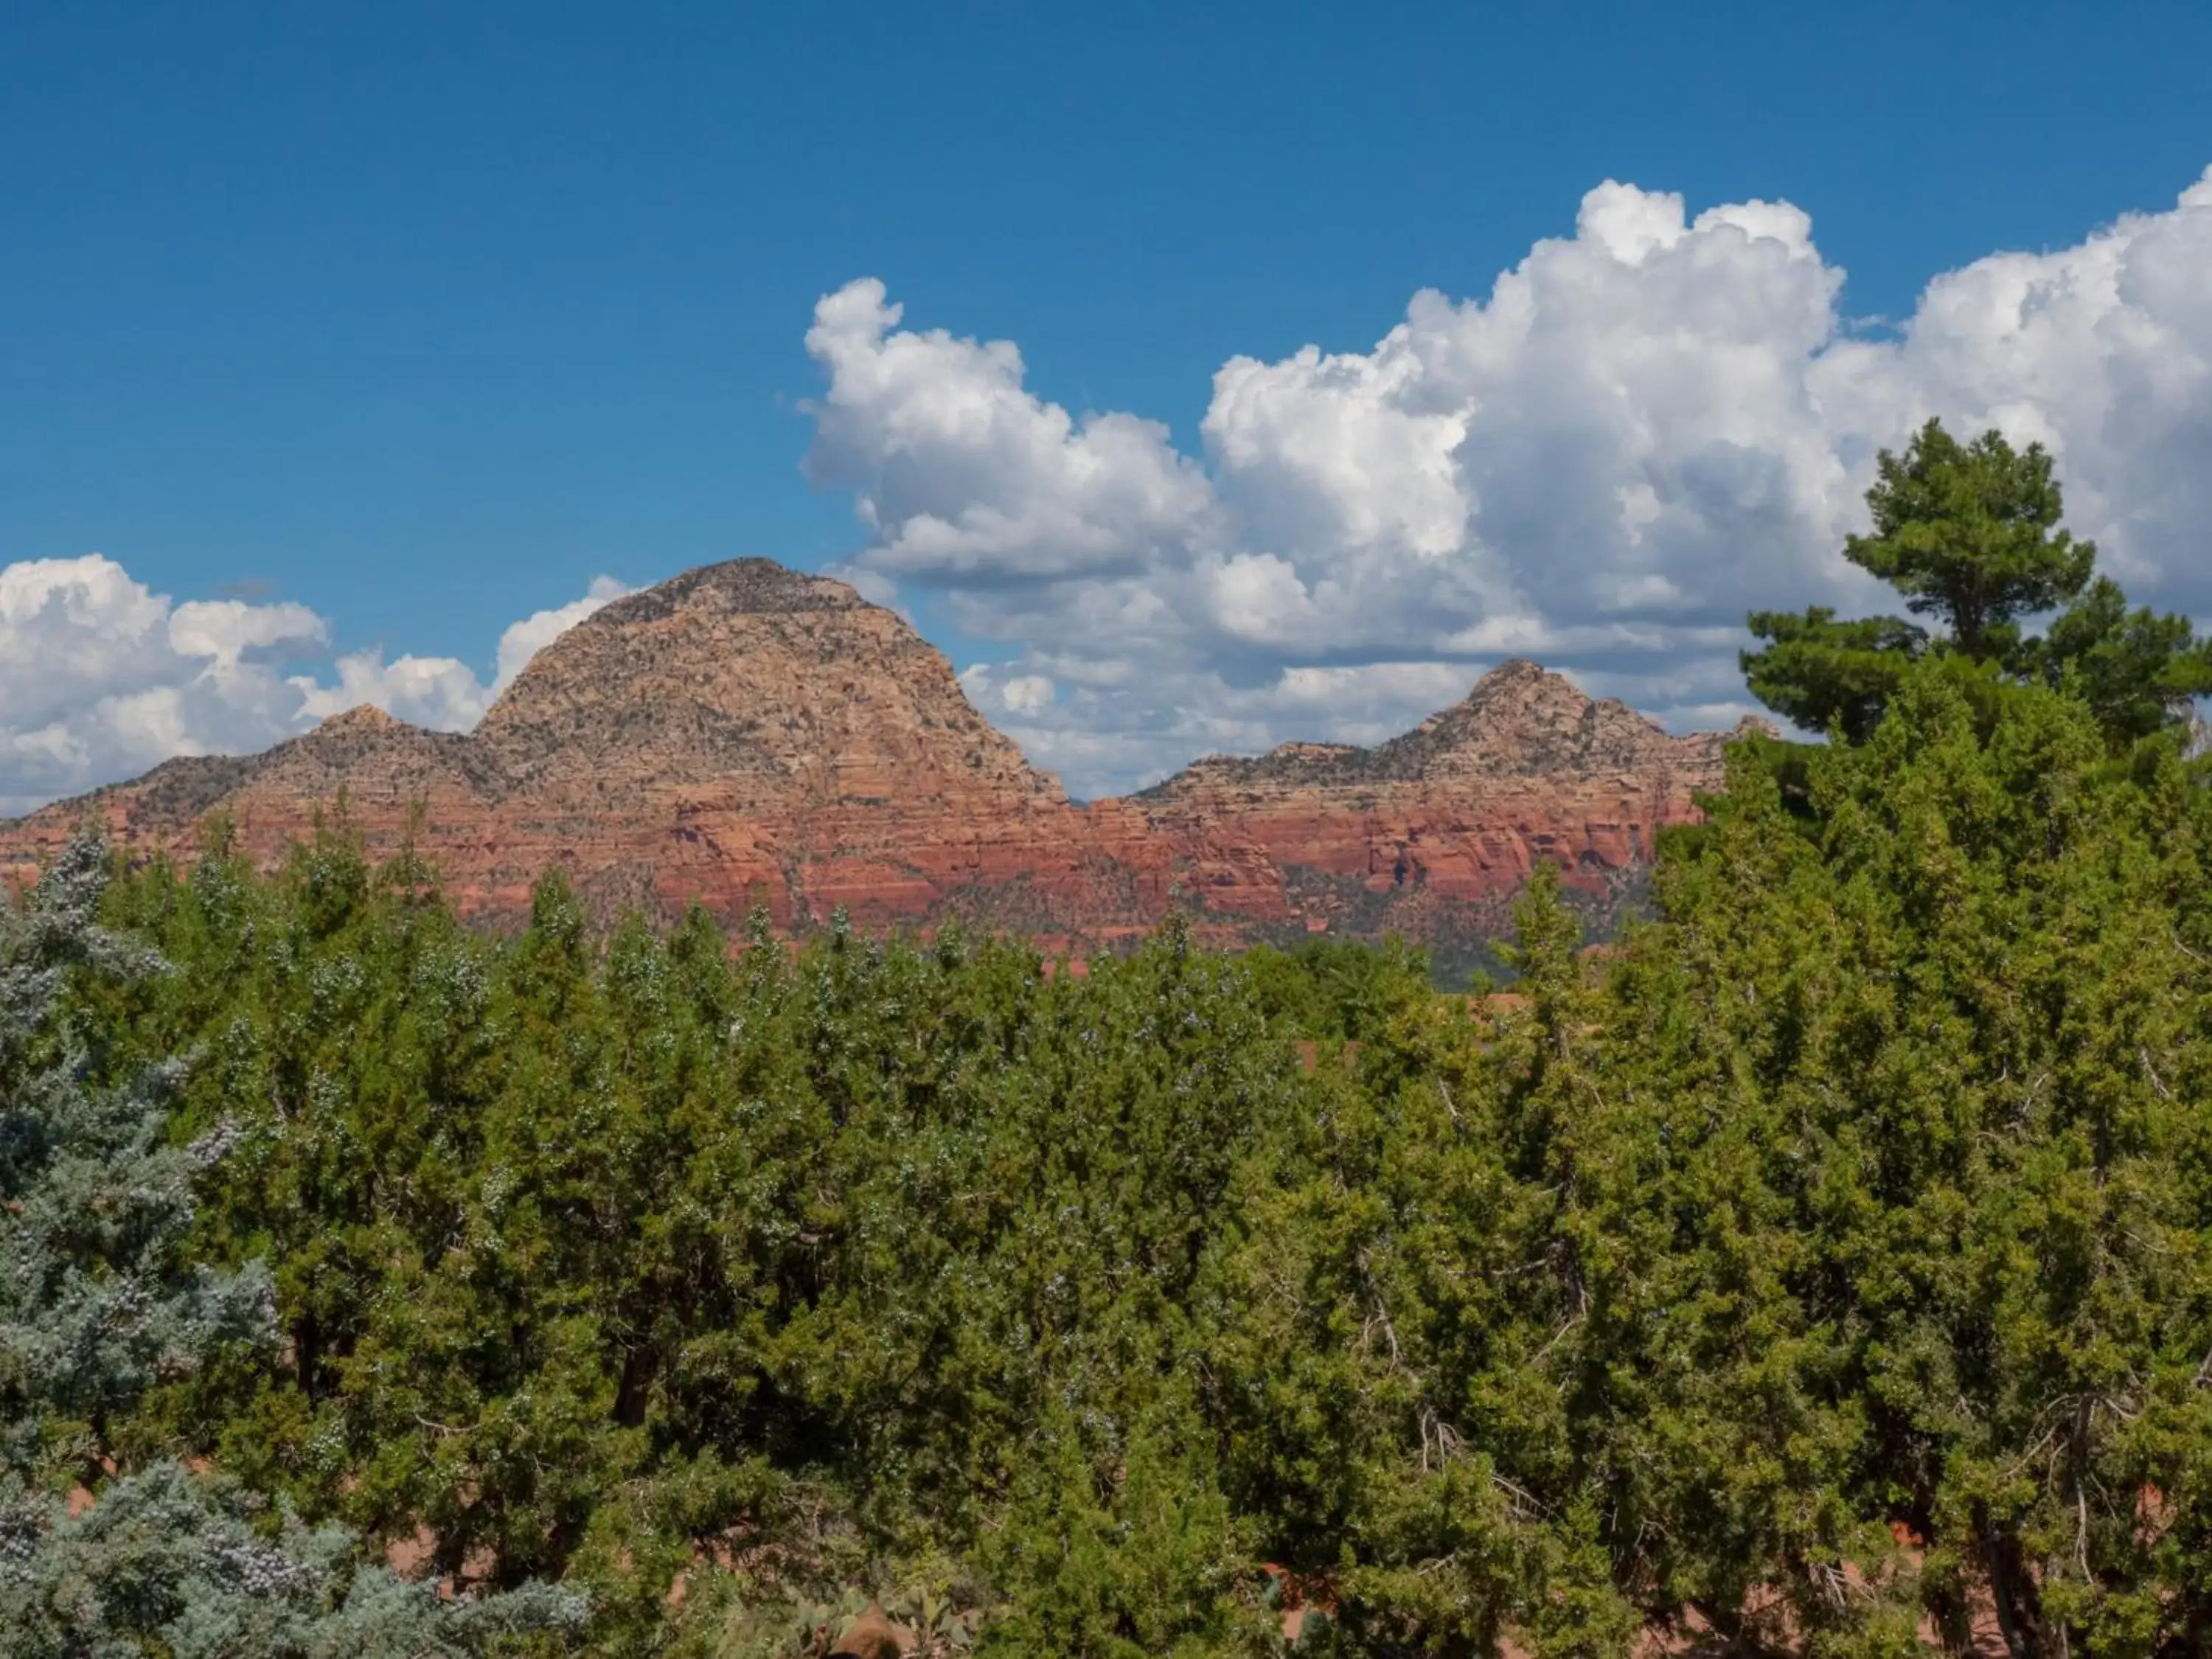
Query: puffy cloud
x=962, y=474
x=1642, y=431
x=1027, y=694
x=102, y=678
x=442, y=693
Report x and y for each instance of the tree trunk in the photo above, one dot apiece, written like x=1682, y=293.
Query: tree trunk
x=2019, y=1603
x=631, y=1393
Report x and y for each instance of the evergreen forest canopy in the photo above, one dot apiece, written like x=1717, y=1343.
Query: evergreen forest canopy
x=1826, y=1269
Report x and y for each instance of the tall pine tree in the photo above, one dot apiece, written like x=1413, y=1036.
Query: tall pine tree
x=1969, y=535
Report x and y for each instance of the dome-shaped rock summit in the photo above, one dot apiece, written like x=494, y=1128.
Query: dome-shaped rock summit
x=745, y=733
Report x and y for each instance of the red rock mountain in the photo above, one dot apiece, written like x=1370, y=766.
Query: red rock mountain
x=743, y=733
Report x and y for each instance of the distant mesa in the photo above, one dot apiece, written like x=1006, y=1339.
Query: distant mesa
x=745, y=733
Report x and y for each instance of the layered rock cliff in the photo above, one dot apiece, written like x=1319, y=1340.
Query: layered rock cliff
x=746, y=734
x=1432, y=834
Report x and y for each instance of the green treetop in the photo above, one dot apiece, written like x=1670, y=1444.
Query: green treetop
x=1970, y=535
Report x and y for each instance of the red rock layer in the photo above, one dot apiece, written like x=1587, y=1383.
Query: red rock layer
x=744, y=734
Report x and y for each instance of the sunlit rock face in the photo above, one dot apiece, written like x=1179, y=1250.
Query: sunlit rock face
x=744, y=735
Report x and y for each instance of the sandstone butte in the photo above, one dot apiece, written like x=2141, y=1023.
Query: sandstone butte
x=744, y=734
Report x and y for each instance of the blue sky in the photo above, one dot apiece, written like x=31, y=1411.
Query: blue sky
x=422, y=316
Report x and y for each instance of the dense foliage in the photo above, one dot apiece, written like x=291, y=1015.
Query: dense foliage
x=1838, y=1256
x=96, y=1307
x=1826, y=1268
x=1968, y=534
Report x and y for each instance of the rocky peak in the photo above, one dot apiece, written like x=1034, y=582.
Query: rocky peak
x=747, y=670
x=733, y=588
x=1521, y=719
x=745, y=732
x=362, y=717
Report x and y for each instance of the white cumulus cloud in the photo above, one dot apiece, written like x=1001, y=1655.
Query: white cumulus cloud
x=102, y=678
x=1642, y=431
x=961, y=472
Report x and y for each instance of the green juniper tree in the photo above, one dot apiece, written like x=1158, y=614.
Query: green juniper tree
x=97, y=1306
x=1833, y=1255
x=94, y=1307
